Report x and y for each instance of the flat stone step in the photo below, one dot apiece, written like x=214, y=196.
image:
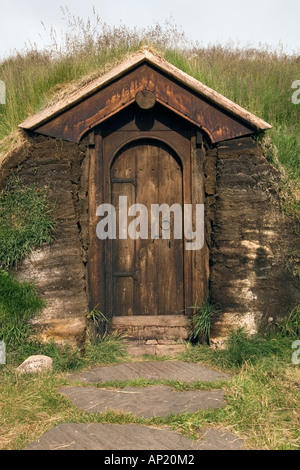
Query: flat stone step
x=137, y=349
x=70, y=436
x=151, y=370
x=146, y=402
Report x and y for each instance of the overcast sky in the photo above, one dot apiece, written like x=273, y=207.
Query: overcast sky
x=246, y=23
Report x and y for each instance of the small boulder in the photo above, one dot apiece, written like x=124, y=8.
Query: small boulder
x=36, y=365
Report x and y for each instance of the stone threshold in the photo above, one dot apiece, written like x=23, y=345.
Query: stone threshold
x=155, y=347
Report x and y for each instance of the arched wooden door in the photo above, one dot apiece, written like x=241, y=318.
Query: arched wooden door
x=147, y=274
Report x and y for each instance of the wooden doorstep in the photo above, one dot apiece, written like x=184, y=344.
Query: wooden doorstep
x=173, y=327
x=151, y=320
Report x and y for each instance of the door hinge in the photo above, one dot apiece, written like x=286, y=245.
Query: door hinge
x=132, y=180
x=129, y=274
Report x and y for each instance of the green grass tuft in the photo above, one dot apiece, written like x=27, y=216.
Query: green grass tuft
x=18, y=304
x=201, y=323
x=25, y=221
x=290, y=327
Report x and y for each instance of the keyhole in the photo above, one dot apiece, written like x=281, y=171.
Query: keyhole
x=165, y=225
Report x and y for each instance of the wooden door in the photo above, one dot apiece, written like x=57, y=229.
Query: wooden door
x=147, y=274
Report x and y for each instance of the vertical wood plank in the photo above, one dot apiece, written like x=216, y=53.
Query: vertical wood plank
x=123, y=250
x=200, y=258
x=96, y=261
x=187, y=199
x=170, y=256
x=147, y=250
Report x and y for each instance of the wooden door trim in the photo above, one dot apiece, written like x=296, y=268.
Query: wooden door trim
x=96, y=274
x=118, y=142
x=100, y=191
x=158, y=136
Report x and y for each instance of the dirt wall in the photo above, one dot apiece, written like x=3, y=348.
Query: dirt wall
x=58, y=270
x=250, y=240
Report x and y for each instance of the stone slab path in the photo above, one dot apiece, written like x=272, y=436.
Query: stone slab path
x=129, y=437
x=148, y=402
x=145, y=402
x=152, y=370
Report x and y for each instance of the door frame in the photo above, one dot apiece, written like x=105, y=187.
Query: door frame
x=103, y=150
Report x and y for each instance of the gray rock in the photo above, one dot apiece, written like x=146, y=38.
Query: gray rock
x=36, y=365
x=152, y=370
x=146, y=402
x=70, y=436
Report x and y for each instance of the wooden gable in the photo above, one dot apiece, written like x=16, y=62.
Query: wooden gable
x=71, y=118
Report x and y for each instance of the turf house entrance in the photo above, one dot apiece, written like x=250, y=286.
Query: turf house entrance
x=147, y=133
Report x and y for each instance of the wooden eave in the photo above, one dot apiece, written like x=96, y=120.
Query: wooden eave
x=72, y=117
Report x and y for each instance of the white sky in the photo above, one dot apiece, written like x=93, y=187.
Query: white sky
x=246, y=23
